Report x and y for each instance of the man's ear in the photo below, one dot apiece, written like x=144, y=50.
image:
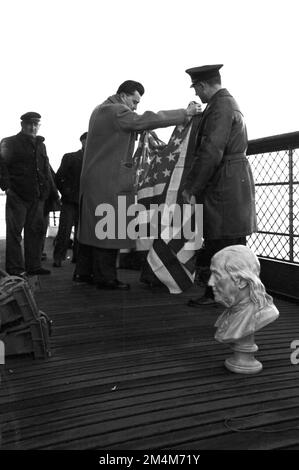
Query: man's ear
x=241, y=283
x=123, y=95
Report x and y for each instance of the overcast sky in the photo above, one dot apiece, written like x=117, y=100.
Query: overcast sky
x=62, y=58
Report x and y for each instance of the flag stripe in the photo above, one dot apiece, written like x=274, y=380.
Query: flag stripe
x=177, y=173
x=162, y=273
x=174, y=267
x=151, y=191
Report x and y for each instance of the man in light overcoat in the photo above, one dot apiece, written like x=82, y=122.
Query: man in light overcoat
x=107, y=178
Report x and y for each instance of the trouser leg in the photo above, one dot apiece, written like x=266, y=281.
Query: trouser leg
x=84, y=263
x=104, y=264
x=64, y=231
x=76, y=222
x=45, y=229
x=15, y=215
x=33, y=235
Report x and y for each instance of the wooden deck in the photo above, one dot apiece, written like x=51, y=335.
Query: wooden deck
x=141, y=370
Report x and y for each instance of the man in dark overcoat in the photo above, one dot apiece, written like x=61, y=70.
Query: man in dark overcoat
x=220, y=177
x=67, y=180
x=28, y=183
x=107, y=177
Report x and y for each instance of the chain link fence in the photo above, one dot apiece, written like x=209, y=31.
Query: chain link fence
x=275, y=166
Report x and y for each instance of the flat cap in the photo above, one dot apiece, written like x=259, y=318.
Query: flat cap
x=30, y=116
x=203, y=73
x=83, y=136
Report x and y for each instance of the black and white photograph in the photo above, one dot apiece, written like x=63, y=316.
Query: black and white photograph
x=149, y=231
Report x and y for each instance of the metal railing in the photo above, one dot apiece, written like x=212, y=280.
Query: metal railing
x=275, y=165
x=54, y=219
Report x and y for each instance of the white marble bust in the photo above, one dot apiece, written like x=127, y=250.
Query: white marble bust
x=236, y=284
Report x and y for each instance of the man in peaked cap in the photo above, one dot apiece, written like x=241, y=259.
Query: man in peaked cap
x=68, y=183
x=206, y=72
x=31, y=116
x=29, y=182
x=220, y=177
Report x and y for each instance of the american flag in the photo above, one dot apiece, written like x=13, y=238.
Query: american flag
x=160, y=171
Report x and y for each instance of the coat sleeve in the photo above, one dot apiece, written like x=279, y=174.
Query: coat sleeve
x=53, y=188
x=52, y=201
x=62, y=173
x=209, y=153
x=6, y=152
x=49, y=176
x=130, y=121
x=4, y=175
x=6, y=149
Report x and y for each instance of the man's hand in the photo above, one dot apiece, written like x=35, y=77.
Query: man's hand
x=155, y=142
x=193, y=108
x=188, y=197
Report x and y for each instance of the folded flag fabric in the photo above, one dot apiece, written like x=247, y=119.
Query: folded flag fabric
x=169, y=229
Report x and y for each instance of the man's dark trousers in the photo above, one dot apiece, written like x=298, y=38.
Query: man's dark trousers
x=29, y=216
x=98, y=262
x=69, y=216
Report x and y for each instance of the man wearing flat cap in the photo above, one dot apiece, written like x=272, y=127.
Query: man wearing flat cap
x=67, y=180
x=28, y=183
x=220, y=176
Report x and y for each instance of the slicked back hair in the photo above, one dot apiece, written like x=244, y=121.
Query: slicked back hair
x=130, y=86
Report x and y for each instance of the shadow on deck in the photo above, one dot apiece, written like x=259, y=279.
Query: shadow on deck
x=141, y=370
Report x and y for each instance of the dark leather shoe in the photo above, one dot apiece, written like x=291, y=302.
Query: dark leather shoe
x=83, y=278
x=113, y=285
x=39, y=272
x=201, y=301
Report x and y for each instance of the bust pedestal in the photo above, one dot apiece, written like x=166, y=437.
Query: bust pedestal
x=243, y=360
